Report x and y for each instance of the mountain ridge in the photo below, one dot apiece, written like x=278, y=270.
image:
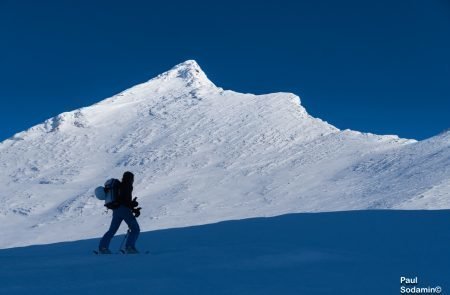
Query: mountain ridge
x=202, y=154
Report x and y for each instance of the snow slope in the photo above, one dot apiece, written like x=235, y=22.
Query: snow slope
x=202, y=154
x=359, y=252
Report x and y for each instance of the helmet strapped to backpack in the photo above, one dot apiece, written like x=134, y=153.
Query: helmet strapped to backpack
x=109, y=193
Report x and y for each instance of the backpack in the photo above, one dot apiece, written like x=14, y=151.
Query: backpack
x=109, y=193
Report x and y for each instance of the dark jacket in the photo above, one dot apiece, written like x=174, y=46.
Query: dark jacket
x=125, y=195
x=126, y=190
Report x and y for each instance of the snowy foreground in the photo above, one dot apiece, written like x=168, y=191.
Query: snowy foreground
x=202, y=154
x=355, y=252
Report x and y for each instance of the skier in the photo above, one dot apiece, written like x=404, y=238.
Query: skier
x=127, y=210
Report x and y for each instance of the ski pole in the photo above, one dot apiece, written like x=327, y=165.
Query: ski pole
x=124, y=239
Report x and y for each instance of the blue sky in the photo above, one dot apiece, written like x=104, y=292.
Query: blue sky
x=374, y=66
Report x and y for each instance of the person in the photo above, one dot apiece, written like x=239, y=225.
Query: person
x=125, y=210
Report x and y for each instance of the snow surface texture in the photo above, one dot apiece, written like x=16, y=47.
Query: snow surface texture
x=358, y=252
x=201, y=154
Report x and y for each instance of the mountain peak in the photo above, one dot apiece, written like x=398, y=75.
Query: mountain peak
x=189, y=64
x=188, y=71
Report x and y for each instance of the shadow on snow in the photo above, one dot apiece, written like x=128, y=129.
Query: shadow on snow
x=355, y=252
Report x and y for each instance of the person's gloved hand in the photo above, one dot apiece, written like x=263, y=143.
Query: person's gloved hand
x=137, y=212
x=134, y=203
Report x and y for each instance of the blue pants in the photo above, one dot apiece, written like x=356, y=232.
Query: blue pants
x=119, y=214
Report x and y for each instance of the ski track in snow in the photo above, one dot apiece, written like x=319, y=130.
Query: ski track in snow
x=202, y=154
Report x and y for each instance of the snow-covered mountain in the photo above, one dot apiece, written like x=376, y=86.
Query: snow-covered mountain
x=203, y=154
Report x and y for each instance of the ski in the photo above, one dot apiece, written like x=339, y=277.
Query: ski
x=96, y=252
x=125, y=252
